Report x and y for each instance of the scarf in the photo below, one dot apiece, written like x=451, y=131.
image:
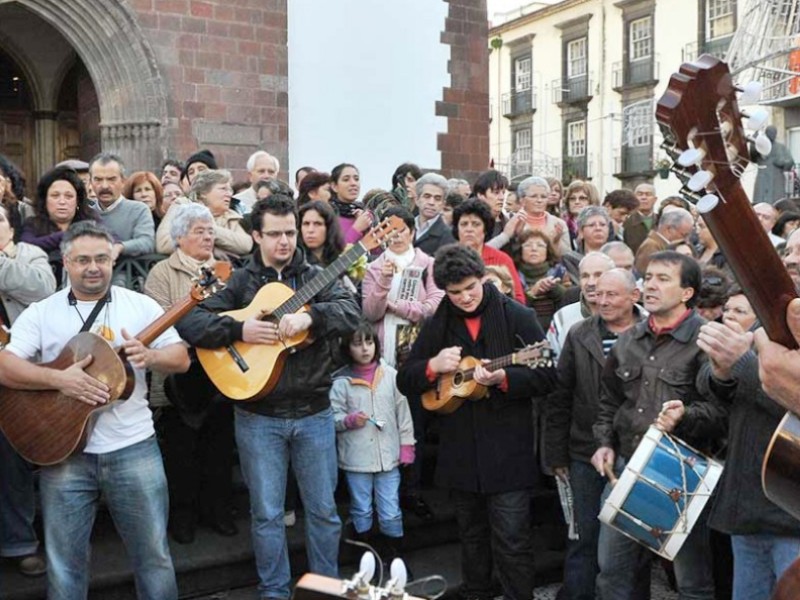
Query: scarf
x=345, y=209
x=192, y=264
x=391, y=321
x=532, y=273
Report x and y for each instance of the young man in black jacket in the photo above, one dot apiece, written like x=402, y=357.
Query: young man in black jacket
x=294, y=421
x=486, y=448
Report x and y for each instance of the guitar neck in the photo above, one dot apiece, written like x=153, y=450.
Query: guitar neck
x=753, y=259
x=313, y=287
x=174, y=314
x=493, y=365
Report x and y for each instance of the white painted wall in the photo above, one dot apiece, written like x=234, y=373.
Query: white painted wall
x=364, y=78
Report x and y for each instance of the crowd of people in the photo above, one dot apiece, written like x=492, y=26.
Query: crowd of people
x=642, y=313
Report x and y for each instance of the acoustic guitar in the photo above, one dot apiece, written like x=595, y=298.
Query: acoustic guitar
x=702, y=128
x=453, y=389
x=44, y=426
x=244, y=371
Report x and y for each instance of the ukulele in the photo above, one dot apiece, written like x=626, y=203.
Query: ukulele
x=453, y=389
x=243, y=371
x=702, y=128
x=45, y=427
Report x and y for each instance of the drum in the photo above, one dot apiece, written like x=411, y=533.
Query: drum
x=661, y=493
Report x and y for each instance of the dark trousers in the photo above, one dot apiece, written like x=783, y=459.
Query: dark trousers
x=495, y=530
x=199, y=462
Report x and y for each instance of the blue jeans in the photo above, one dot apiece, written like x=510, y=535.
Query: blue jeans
x=759, y=561
x=386, y=488
x=580, y=563
x=624, y=564
x=17, y=504
x=495, y=530
x=133, y=485
x=266, y=445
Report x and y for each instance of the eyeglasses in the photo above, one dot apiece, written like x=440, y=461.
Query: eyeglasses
x=276, y=235
x=581, y=198
x=101, y=260
x=534, y=246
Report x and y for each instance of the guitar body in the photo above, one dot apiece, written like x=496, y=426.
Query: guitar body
x=259, y=368
x=46, y=427
x=782, y=464
x=452, y=389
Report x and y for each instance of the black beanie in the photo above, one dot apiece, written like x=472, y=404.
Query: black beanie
x=201, y=156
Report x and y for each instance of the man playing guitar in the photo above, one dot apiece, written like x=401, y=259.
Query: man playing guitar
x=121, y=460
x=294, y=421
x=486, y=447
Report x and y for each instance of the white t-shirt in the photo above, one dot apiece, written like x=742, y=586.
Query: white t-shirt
x=45, y=327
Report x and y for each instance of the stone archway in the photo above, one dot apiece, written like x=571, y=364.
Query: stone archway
x=131, y=91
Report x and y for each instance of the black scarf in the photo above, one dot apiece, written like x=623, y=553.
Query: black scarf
x=494, y=327
x=345, y=209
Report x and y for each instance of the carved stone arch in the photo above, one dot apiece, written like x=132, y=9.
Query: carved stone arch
x=130, y=89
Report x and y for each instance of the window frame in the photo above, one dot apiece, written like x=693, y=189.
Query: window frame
x=576, y=146
x=572, y=60
x=647, y=39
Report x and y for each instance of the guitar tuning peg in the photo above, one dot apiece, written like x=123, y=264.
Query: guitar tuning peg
x=756, y=119
x=699, y=180
x=691, y=157
x=707, y=203
x=762, y=143
x=751, y=92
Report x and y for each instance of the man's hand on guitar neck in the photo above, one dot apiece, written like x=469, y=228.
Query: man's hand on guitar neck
x=779, y=367
x=489, y=378
x=76, y=383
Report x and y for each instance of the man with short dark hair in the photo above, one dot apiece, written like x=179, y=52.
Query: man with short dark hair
x=490, y=188
x=121, y=460
x=129, y=221
x=171, y=170
x=294, y=422
x=486, y=448
x=620, y=204
x=649, y=377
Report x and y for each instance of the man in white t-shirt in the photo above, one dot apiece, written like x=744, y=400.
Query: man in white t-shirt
x=121, y=461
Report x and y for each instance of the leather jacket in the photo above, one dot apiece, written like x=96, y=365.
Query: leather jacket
x=643, y=371
x=305, y=379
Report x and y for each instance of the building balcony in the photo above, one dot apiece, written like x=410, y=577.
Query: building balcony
x=634, y=74
x=518, y=103
x=718, y=48
x=572, y=90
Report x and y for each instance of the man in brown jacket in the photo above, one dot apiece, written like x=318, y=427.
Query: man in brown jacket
x=641, y=221
x=673, y=226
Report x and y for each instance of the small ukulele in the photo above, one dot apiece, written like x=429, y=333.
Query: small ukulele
x=453, y=389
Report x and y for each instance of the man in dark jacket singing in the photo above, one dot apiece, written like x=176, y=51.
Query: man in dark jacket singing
x=294, y=421
x=486, y=447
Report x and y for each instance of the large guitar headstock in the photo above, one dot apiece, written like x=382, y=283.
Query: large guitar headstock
x=702, y=128
x=382, y=233
x=210, y=280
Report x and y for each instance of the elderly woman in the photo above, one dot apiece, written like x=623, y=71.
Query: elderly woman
x=60, y=201
x=534, y=194
x=198, y=442
x=144, y=186
x=579, y=195
x=213, y=189
x=25, y=277
x=398, y=289
x=594, y=230
x=541, y=274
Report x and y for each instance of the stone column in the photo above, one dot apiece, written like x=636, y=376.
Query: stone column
x=45, y=133
x=138, y=144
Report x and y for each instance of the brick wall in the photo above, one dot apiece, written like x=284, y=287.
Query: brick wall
x=465, y=146
x=225, y=64
x=88, y=114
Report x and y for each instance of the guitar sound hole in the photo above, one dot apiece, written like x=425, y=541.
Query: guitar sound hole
x=458, y=378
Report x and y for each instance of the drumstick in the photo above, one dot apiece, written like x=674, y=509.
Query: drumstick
x=609, y=470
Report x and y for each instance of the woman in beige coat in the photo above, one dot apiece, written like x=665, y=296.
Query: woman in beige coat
x=213, y=189
x=198, y=434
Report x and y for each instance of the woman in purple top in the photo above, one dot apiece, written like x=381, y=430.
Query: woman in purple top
x=346, y=187
x=61, y=200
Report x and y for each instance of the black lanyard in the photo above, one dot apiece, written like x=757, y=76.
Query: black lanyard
x=87, y=323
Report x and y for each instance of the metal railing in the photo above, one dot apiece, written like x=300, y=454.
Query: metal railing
x=519, y=102
x=632, y=73
x=572, y=89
